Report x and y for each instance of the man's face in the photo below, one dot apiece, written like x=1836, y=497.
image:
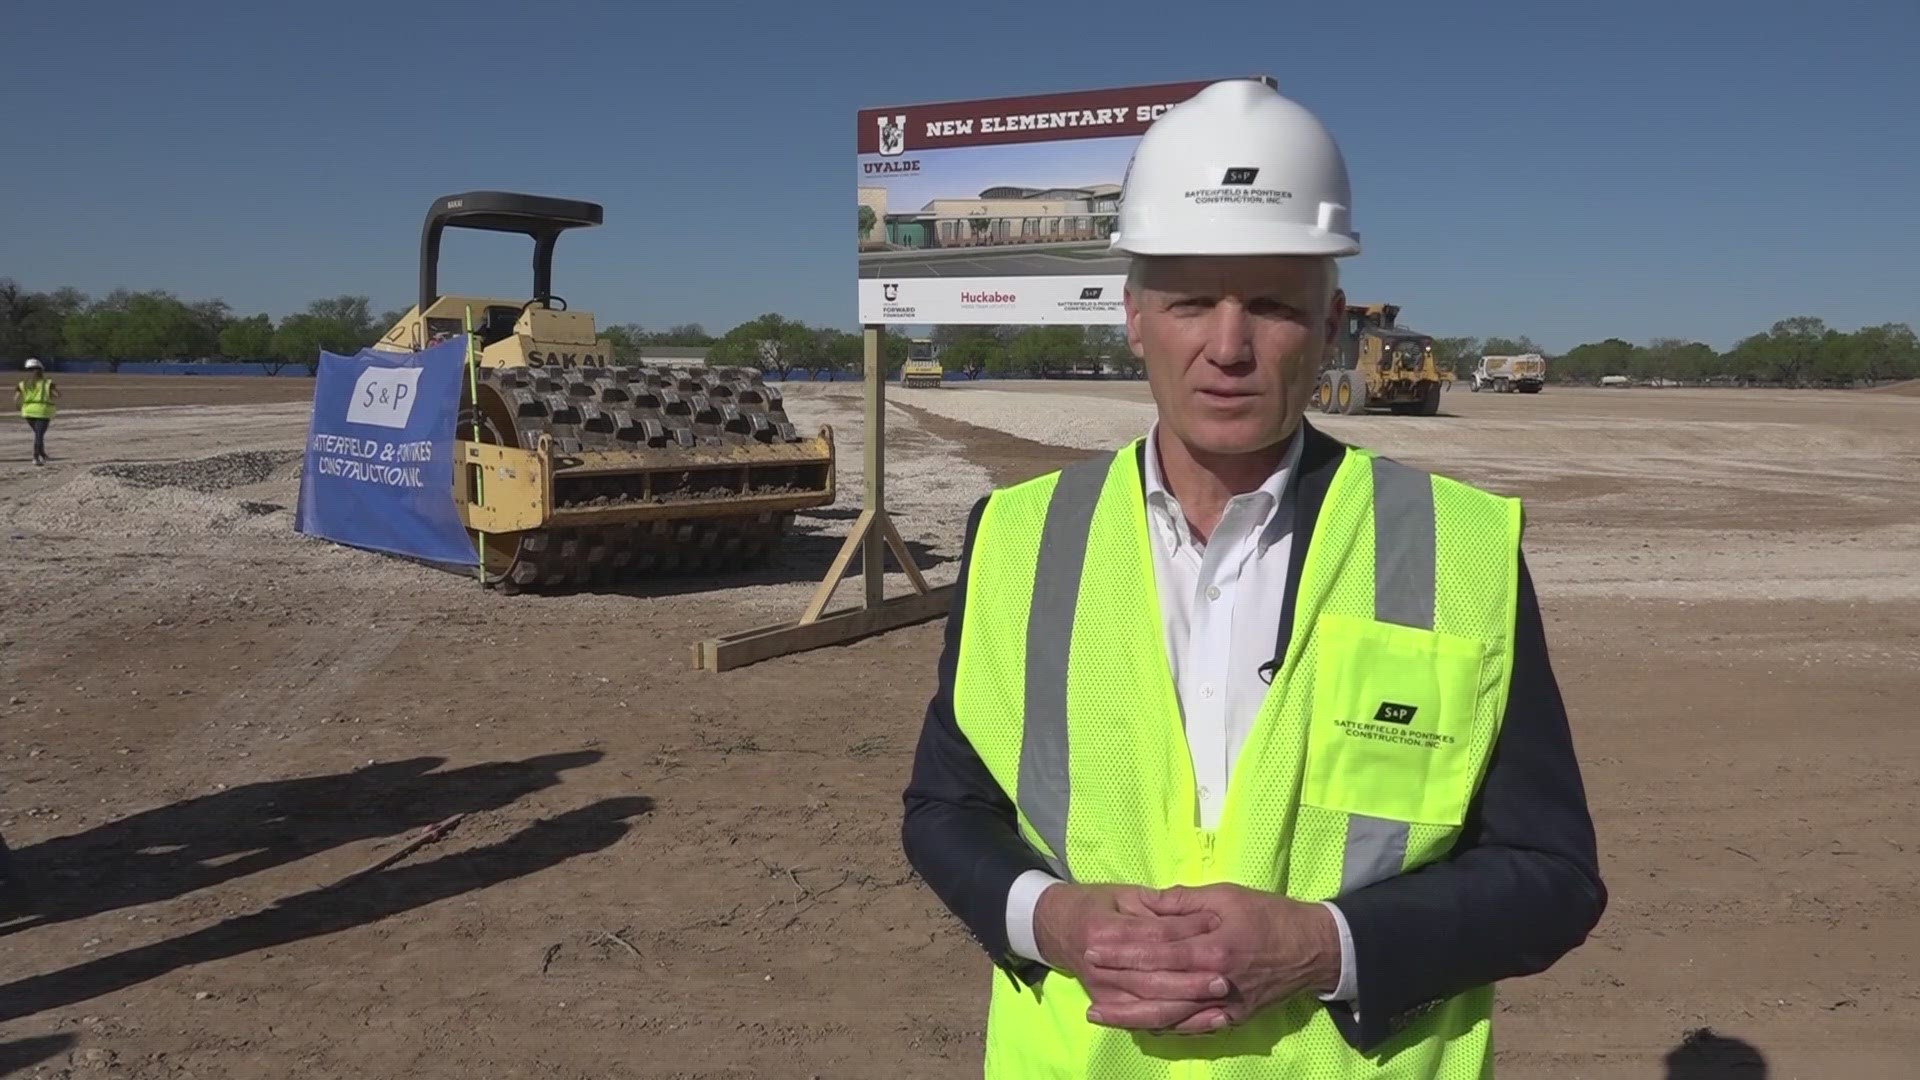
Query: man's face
x=1232, y=344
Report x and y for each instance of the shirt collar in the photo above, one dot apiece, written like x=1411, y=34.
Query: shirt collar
x=1274, y=494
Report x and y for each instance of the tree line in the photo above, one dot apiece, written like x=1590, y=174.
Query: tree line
x=157, y=325
x=1798, y=352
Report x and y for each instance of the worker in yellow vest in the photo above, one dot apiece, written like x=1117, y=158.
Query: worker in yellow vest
x=35, y=396
x=1246, y=758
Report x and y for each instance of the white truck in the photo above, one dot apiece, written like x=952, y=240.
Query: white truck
x=1524, y=374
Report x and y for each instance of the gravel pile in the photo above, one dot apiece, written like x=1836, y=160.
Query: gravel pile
x=207, y=475
x=104, y=507
x=1084, y=423
x=169, y=502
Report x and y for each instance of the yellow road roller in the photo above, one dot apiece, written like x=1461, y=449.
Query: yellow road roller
x=573, y=469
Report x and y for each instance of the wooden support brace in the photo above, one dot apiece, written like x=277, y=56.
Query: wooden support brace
x=764, y=643
x=872, y=536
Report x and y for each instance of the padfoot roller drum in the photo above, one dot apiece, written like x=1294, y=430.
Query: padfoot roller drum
x=639, y=470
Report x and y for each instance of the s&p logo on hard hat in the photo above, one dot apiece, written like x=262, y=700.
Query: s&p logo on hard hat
x=1240, y=176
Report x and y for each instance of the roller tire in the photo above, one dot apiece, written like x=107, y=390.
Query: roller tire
x=584, y=409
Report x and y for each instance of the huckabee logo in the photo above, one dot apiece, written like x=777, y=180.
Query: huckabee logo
x=986, y=297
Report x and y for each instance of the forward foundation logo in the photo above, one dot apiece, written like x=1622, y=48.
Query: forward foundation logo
x=893, y=134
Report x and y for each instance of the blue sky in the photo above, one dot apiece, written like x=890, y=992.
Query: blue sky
x=1642, y=169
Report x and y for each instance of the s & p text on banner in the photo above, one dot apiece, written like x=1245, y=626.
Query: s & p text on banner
x=379, y=462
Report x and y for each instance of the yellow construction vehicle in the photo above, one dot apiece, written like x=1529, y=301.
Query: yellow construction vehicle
x=1378, y=365
x=922, y=367
x=575, y=468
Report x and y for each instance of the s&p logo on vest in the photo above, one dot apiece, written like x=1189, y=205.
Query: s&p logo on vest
x=1390, y=713
x=1392, y=722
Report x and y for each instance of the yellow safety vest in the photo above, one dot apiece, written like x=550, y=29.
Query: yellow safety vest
x=36, y=399
x=1361, y=764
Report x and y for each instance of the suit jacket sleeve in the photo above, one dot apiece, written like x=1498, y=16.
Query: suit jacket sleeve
x=1522, y=886
x=960, y=831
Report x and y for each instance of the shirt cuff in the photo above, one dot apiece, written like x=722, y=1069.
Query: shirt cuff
x=1347, y=989
x=1021, y=901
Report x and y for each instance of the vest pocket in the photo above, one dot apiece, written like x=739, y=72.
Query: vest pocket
x=1392, y=724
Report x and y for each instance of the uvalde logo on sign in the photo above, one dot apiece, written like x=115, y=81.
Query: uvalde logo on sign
x=384, y=397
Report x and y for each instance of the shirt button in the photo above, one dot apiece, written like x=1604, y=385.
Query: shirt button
x=1206, y=691
x=1213, y=592
x=1206, y=792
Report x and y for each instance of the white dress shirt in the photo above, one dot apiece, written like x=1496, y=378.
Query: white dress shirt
x=1220, y=602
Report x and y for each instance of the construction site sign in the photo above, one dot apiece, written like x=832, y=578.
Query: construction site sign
x=999, y=210
x=378, y=472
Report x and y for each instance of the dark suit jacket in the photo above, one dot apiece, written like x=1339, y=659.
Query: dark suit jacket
x=1520, y=889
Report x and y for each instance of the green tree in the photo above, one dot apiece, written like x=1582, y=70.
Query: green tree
x=692, y=335
x=300, y=339
x=352, y=315
x=34, y=323
x=250, y=338
x=622, y=340
x=1461, y=354
x=973, y=356
x=841, y=352
x=771, y=341
x=1593, y=361
x=1887, y=351
x=142, y=326
x=1500, y=346
x=968, y=348
x=1107, y=345
x=867, y=220
x=1042, y=350
x=1678, y=359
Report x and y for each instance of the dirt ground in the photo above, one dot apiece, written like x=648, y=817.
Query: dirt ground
x=210, y=722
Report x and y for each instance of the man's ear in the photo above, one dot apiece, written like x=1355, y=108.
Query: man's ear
x=1336, y=315
x=1133, y=322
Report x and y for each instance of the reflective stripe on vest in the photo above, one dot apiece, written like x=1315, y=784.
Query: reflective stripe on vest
x=1355, y=770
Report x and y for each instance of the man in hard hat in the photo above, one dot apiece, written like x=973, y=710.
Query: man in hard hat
x=1246, y=757
x=35, y=395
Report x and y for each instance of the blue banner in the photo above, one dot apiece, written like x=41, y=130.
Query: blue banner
x=379, y=463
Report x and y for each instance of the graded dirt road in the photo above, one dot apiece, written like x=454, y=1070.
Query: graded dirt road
x=210, y=722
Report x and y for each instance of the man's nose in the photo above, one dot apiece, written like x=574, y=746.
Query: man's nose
x=1229, y=342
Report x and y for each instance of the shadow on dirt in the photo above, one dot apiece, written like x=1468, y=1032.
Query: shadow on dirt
x=331, y=909
x=173, y=850
x=18, y=1055
x=1704, y=1055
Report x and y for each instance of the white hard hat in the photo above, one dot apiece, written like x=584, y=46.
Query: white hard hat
x=34, y=362
x=1237, y=169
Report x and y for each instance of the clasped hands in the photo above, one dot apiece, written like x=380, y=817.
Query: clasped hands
x=1189, y=960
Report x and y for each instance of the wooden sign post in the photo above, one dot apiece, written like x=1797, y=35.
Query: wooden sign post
x=873, y=534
